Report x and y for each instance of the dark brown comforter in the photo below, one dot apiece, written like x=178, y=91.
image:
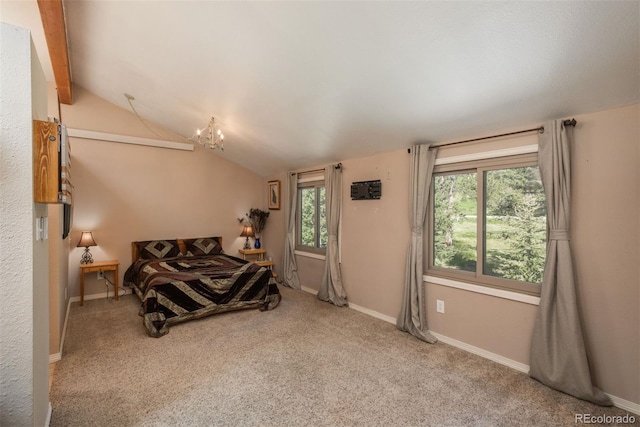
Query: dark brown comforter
x=177, y=289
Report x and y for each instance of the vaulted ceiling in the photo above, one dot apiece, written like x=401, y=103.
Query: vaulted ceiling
x=296, y=84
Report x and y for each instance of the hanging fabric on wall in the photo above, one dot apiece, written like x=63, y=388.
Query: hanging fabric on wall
x=291, y=278
x=558, y=356
x=412, y=317
x=331, y=288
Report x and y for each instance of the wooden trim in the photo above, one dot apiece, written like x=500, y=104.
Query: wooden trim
x=134, y=252
x=125, y=139
x=55, y=32
x=182, y=246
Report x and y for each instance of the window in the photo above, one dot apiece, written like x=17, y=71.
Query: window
x=312, y=221
x=488, y=223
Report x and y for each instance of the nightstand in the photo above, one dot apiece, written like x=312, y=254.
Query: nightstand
x=259, y=254
x=99, y=266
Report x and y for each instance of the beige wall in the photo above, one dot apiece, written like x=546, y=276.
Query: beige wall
x=310, y=271
x=606, y=244
x=126, y=192
x=368, y=228
x=606, y=247
x=376, y=232
x=494, y=324
x=24, y=337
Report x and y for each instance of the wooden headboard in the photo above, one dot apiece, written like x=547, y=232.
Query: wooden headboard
x=181, y=245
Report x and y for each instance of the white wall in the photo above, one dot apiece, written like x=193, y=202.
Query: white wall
x=24, y=290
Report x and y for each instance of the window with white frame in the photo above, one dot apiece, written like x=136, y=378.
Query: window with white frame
x=311, y=235
x=488, y=223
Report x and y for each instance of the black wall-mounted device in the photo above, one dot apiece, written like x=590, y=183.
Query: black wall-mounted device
x=366, y=190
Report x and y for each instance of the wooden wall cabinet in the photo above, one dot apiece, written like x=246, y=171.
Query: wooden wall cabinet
x=51, y=163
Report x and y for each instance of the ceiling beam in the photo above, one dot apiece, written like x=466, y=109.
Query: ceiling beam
x=52, y=15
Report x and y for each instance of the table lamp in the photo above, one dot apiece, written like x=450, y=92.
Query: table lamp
x=86, y=240
x=247, y=231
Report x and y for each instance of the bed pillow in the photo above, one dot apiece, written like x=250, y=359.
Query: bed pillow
x=156, y=249
x=203, y=246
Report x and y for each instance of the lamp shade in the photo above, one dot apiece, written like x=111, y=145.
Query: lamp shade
x=86, y=240
x=247, y=231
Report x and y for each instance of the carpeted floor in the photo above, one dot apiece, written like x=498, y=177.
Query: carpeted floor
x=306, y=363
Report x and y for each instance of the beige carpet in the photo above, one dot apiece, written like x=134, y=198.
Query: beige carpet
x=306, y=363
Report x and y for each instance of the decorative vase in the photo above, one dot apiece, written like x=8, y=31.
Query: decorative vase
x=257, y=243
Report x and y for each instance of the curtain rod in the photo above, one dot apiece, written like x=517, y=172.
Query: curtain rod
x=338, y=166
x=571, y=122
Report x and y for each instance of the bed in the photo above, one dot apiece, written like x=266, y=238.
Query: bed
x=183, y=279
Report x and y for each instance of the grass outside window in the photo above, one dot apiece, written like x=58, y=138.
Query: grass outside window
x=488, y=224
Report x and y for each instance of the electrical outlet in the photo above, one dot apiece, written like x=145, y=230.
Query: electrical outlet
x=100, y=274
x=440, y=306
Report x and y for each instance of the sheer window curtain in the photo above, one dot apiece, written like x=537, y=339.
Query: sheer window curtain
x=331, y=288
x=412, y=317
x=558, y=356
x=291, y=278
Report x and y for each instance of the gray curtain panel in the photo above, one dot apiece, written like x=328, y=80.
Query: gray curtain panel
x=558, y=357
x=331, y=288
x=291, y=278
x=412, y=317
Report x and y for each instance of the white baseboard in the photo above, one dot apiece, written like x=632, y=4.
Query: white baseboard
x=121, y=291
x=518, y=366
x=359, y=308
x=64, y=327
x=459, y=344
x=53, y=358
x=624, y=404
x=617, y=401
x=47, y=421
x=56, y=357
x=309, y=290
x=372, y=313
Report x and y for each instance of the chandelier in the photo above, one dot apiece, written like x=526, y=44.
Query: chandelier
x=212, y=138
